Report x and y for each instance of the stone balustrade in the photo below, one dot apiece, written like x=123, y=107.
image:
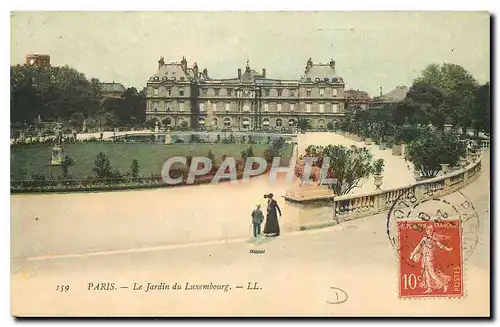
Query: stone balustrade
x=312, y=206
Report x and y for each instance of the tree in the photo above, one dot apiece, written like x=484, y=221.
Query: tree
x=481, y=109
x=303, y=124
x=348, y=165
x=424, y=104
x=134, y=168
x=441, y=93
x=248, y=153
x=150, y=123
x=50, y=92
x=432, y=149
x=102, y=167
x=329, y=126
x=213, y=159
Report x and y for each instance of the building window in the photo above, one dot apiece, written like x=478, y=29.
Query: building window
x=334, y=92
x=229, y=92
x=202, y=107
x=181, y=106
x=181, y=92
x=169, y=92
x=321, y=92
x=308, y=79
x=168, y=108
x=292, y=93
x=266, y=93
x=308, y=107
x=155, y=91
x=335, y=107
x=321, y=107
x=214, y=122
x=182, y=79
x=227, y=122
x=308, y=93
x=156, y=106
x=214, y=106
x=291, y=122
x=279, y=107
x=227, y=106
x=265, y=122
x=246, y=107
x=246, y=122
x=216, y=91
x=266, y=107
x=280, y=93
x=292, y=107
x=279, y=122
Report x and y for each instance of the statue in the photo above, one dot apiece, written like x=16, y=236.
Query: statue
x=59, y=134
x=332, y=64
x=58, y=149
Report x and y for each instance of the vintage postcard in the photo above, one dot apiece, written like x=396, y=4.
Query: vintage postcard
x=250, y=164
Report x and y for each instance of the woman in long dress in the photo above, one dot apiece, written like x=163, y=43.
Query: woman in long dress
x=272, y=225
x=432, y=278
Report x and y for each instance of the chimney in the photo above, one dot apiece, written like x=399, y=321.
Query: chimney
x=205, y=72
x=381, y=91
x=263, y=72
x=239, y=72
x=161, y=62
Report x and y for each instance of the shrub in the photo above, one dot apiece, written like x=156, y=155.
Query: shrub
x=432, y=149
x=378, y=167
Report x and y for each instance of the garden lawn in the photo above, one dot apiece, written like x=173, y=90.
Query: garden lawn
x=27, y=160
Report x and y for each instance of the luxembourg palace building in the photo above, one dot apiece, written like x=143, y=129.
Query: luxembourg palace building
x=178, y=95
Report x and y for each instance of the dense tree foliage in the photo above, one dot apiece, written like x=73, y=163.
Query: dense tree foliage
x=349, y=166
x=63, y=94
x=432, y=149
x=445, y=94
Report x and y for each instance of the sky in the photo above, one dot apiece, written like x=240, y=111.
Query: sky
x=371, y=49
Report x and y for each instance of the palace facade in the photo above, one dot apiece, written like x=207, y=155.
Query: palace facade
x=178, y=95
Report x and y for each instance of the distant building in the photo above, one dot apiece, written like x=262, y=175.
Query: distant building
x=112, y=90
x=356, y=99
x=38, y=60
x=177, y=95
x=394, y=96
x=383, y=105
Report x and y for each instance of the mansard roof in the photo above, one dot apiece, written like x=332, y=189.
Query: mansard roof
x=112, y=87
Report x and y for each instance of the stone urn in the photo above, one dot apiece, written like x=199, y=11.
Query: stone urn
x=416, y=174
x=397, y=150
x=445, y=168
x=378, y=181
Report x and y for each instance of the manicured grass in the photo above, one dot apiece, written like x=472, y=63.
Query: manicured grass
x=33, y=159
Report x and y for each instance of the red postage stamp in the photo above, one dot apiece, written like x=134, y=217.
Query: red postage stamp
x=430, y=259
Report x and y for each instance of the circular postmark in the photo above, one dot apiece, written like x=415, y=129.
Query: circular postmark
x=456, y=206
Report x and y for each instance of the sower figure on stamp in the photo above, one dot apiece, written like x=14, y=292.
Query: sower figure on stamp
x=272, y=226
x=432, y=278
x=257, y=219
